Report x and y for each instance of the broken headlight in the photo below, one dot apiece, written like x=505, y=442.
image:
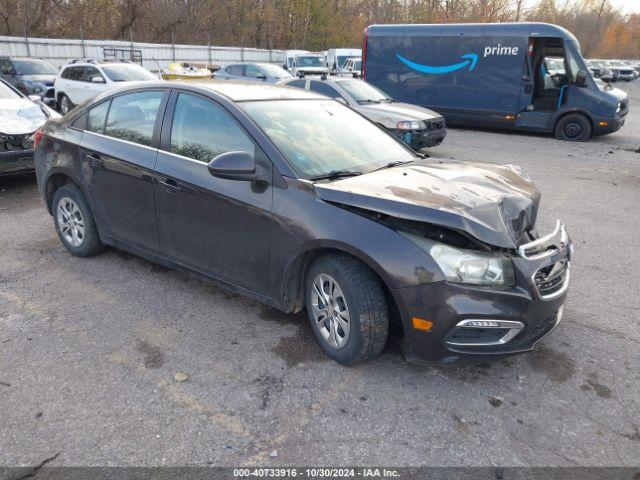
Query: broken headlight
x=467, y=266
x=411, y=125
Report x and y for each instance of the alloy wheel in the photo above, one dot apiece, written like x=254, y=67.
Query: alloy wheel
x=330, y=311
x=70, y=222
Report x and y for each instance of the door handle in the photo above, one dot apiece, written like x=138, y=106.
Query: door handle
x=94, y=159
x=171, y=186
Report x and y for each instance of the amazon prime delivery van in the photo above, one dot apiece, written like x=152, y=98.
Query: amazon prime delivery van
x=493, y=75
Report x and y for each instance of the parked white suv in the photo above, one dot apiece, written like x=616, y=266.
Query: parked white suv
x=81, y=80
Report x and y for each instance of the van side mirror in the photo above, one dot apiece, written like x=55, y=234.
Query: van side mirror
x=98, y=80
x=236, y=166
x=581, y=78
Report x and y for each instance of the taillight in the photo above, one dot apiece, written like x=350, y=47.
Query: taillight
x=37, y=138
x=364, y=53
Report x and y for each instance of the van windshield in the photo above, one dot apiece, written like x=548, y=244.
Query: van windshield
x=341, y=60
x=322, y=136
x=309, y=62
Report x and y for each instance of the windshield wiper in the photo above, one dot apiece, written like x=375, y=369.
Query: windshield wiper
x=393, y=164
x=335, y=174
x=368, y=101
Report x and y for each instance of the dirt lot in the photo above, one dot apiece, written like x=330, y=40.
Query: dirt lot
x=89, y=349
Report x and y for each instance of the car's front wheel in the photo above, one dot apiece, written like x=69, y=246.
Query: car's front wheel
x=65, y=104
x=347, y=308
x=574, y=128
x=74, y=222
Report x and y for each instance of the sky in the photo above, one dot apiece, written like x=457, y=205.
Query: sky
x=628, y=6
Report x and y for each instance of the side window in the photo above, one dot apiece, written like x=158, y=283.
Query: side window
x=73, y=73
x=237, y=70
x=324, y=89
x=5, y=67
x=97, y=117
x=133, y=116
x=297, y=84
x=252, y=71
x=89, y=73
x=202, y=130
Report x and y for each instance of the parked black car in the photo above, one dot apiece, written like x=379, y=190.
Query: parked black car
x=416, y=126
x=299, y=201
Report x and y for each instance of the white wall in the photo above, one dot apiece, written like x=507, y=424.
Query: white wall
x=155, y=56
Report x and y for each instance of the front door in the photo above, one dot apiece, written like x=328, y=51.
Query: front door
x=118, y=154
x=215, y=226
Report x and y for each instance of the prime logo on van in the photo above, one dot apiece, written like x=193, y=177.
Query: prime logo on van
x=470, y=60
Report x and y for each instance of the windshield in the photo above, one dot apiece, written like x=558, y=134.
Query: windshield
x=7, y=92
x=34, y=67
x=357, y=65
x=343, y=59
x=320, y=136
x=275, y=71
x=362, y=91
x=309, y=62
x=126, y=73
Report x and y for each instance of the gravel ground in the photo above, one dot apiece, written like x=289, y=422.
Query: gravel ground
x=89, y=349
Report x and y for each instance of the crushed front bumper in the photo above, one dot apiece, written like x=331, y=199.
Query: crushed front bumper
x=470, y=322
x=430, y=137
x=16, y=161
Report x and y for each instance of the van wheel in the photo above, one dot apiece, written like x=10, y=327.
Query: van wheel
x=347, y=308
x=74, y=222
x=65, y=104
x=573, y=128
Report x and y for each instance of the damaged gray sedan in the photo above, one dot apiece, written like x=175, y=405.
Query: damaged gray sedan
x=20, y=117
x=302, y=203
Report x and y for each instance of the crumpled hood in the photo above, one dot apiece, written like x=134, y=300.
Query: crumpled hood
x=495, y=204
x=19, y=116
x=388, y=114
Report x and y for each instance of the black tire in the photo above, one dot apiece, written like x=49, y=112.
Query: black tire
x=574, y=127
x=64, y=104
x=367, y=308
x=89, y=242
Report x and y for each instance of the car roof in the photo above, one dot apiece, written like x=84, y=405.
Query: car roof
x=236, y=91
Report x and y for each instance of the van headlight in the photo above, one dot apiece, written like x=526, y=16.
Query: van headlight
x=411, y=125
x=467, y=266
x=618, y=107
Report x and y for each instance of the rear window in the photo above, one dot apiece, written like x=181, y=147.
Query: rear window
x=132, y=117
x=126, y=73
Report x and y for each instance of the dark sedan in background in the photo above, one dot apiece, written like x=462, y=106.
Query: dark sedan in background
x=416, y=126
x=299, y=201
x=31, y=76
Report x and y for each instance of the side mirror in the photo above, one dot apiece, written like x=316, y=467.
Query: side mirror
x=581, y=78
x=235, y=166
x=98, y=80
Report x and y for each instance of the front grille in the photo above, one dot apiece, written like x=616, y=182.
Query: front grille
x=551, y=279
x=13, y=143
x=435, y=124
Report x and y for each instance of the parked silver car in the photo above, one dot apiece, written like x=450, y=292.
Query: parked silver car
x=416, y=126
x=256, y=72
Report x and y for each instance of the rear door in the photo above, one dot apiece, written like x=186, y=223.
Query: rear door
x=118, y=155
x=211, y=225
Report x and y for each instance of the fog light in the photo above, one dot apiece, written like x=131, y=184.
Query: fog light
x=483, y=324
x=603, y=124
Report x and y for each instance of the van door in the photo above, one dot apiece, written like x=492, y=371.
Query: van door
x=500, y=76
x=460, y=49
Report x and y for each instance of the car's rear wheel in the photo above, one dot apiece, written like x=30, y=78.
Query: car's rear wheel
x=573, y=128
x=347, y=308
x=74, y=222
x=65, y=104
